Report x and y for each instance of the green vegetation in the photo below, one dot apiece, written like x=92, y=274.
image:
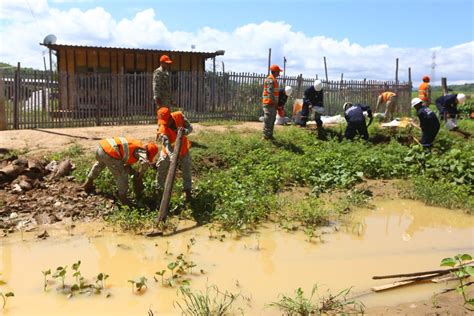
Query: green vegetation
x=333, y=304
x=238, y=179
x=464, y=271
x=81, y=286
x=211, y=302
x=5, y=297
x=138, y=284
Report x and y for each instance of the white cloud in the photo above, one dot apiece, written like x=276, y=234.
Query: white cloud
x=246, y=47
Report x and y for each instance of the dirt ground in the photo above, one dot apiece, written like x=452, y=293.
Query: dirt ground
x=41, y=205
x=450, y=303
x=38, y=142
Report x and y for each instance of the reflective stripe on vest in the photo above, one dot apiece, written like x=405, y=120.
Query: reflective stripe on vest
x=266, y=96
x=126, y=152
x=387, y=95
x=171, y=134
x=122, y=148
x=423, y=91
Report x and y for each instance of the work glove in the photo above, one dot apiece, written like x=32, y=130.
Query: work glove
x=370, y=120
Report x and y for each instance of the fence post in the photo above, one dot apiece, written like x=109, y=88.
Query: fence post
x=326, y=68
x=444, y=85
x=396, y=72
x=16, y=98
x=3, y=115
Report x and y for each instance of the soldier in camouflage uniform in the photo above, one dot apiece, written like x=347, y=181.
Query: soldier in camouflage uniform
x=270, y=102
x=162, y=83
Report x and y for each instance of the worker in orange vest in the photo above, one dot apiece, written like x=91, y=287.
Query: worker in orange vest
x=168, y=125
x=270, y=101
x=390, y=99
x=118, y=154
x=424, y=91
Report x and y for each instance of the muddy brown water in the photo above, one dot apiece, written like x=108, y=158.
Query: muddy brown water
x=397, y=236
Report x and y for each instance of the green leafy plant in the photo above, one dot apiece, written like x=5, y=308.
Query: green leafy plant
x=5, y=297
x=45, y=275
x=77, y=273
x=211, y=302
x=60, y=273
x=463, y=272
x=138, y=284
x=161, y=274
x=100, y=280
x=301, y=305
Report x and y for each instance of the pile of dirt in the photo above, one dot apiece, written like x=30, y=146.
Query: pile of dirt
x=34, y=192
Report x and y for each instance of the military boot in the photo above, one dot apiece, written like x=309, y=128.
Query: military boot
x=88, y=186
x=188, y=196
x=124, y=199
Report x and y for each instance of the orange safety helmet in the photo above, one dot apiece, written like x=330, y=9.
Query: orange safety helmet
x=164, y=116
x=426, y=79
x=165, y=59
x=275, y=68
x=152, y=150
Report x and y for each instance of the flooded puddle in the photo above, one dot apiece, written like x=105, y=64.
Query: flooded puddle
x=396, y=237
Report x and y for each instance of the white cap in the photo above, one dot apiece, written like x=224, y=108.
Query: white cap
x=318, y=85
x=288, y=90
x=416, y=101
x=346, y=105
x=461, y=98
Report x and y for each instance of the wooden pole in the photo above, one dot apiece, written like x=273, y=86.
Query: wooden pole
x=16, y=98
x=396, y=71
x=269, y=60
x=409, y=75
x=284, y=70
x=444, y=85
x=3, y=115
x=165, y=200
x=326, y=68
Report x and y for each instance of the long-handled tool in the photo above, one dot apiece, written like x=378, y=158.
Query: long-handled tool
x=165, y=200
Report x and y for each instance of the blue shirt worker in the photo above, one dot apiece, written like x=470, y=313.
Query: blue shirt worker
x=354, y=114
x=313, y=100
x=429, y=123
x=448, y=105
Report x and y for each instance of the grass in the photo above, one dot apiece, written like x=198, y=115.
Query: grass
x=321, y=305
x=211, y=302
x=238, y=178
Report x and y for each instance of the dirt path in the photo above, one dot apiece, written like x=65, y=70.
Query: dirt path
x=37, y=142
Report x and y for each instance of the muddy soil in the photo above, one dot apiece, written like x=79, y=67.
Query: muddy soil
x=450, y=303
x=54, y=201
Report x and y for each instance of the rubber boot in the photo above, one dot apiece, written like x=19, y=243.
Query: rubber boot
x=124, y=200
x=88, y=186
x=187, y=196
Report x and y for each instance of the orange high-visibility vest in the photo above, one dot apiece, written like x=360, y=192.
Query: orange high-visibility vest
x=387, y=95
x=423, y=91
x=171, y=134
x=122, y=148
x=266, y=98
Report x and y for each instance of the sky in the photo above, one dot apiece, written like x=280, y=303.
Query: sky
x=359, y=38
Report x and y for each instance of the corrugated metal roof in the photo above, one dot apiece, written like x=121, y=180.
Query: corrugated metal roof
x=57, y=46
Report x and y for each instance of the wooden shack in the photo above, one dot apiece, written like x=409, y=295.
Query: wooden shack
x=91, y=77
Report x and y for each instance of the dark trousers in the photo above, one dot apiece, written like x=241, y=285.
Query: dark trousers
x=356, y=128
x=428, y=136
x=305, y=116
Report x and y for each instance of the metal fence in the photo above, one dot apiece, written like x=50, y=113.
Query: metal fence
x=41, y=100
